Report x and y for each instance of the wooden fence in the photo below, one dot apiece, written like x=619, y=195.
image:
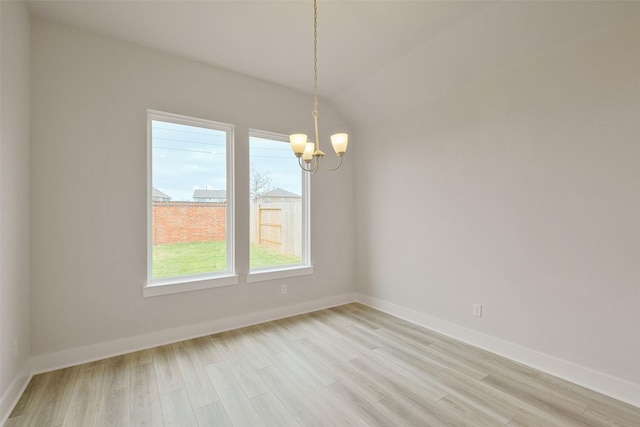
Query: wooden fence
x=277, y=225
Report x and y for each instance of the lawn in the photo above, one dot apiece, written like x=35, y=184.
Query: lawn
x=262, y=256
x=205, y=257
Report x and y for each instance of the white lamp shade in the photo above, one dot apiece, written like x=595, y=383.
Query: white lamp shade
x=298, y=142
x=339, y=142
x=308, y=151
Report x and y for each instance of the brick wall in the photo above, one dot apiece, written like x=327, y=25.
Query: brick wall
x=179, y=222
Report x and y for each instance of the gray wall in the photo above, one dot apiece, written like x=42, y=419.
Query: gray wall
x=14, y=197
x=90, y=95
x=518, y=192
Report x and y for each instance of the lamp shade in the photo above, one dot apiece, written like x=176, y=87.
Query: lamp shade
x=298, y=143
x=308, y=152
x=339, y=142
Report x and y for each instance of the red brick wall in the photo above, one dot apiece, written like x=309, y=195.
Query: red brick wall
x=180, y=222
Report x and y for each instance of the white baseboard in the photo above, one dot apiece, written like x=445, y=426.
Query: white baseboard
x=597, y=381
x=14, y=391
x=76, y=356
x=616, y=388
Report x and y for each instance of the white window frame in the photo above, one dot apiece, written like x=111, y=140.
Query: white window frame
x=164, y=286
x=291, y=270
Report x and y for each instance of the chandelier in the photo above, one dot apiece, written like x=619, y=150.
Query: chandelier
x=309, y=153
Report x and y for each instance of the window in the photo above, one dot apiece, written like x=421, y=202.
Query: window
x=191, y=230
x=279, y=225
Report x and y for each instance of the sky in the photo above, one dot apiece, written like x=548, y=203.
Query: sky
x=186, y=158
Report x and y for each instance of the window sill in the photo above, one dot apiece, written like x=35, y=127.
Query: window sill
x=279, y=273
x=185, y=284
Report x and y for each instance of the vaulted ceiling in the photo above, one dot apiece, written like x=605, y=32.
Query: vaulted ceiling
x=374, y=57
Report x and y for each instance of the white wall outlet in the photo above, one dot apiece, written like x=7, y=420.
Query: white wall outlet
x=477, y=310
x=283, y=289
x=15, y=348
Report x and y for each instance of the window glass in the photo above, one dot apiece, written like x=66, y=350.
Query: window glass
x=191, y=202
x=278, y=193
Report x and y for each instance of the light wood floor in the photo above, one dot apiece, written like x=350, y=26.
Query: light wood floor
x=346, y=366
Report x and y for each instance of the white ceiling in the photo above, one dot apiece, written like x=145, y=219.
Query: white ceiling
x=373, y=56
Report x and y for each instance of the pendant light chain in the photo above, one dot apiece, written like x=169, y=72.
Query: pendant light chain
x=309, y=153
x=315, y=72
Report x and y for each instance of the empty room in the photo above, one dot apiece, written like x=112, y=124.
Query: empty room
x=319, y=213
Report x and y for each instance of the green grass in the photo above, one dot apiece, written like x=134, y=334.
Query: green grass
x=189, y=258
x=262, y=256
x=208, y=257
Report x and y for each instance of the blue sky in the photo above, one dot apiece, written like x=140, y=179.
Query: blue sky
x=186, y=158
x=276, y=158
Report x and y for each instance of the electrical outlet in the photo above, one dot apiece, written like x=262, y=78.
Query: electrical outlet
x=283, y=289
x=15, y=348
x=477, y=310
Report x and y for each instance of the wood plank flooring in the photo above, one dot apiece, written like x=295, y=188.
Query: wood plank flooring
x=345, y=366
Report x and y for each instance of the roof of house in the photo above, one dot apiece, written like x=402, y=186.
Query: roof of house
x=158, y=193
x=279, y=192
x=209, y=194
